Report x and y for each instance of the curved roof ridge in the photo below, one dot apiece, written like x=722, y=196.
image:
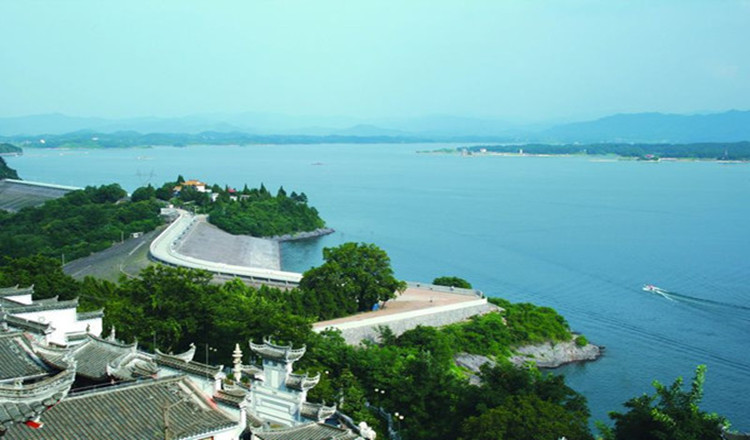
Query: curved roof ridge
x=133, y=345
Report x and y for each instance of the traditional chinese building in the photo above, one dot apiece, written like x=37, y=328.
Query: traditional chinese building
x=103, y=388
x=51, y=320
x=281, y=396
x=28, y=387
x=169, y=408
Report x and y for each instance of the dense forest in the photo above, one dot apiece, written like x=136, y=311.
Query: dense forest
x=7, y=172
x=247, y=211
x=718, y=151
x=77, y=224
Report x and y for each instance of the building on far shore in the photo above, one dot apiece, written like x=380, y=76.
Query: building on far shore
x=197, y=184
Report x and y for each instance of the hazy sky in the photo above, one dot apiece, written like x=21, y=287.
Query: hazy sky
x=521, y=60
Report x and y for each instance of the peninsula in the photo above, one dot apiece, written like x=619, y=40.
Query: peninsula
x=723, y=151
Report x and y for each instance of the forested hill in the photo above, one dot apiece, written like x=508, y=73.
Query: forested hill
x=7, y=172
x=244, y=211
x=6, y=148
x=77, y=224
x=715, y=150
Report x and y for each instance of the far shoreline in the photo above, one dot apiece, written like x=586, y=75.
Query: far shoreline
x=592, y=157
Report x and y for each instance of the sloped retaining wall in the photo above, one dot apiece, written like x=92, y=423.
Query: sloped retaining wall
x=356, y=331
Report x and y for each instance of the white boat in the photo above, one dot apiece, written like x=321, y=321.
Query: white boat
x=657, y=290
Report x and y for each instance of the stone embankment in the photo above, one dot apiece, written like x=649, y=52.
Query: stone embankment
x=419, y=304
x=303, y=235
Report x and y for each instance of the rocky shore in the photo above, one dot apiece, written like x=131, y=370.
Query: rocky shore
x=545, y=355
x=549, y=355
x=303, y=235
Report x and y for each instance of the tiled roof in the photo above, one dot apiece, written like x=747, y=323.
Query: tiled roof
x=39, y=306
x=136, y=410
x=302, y=382
x=55, y=357
x=19, y=404
x=82, y=316
x=187, y=355
x=251, y=371
x=316, y=411
x=232, y=397
x=41, y=328
x=133, y=366
x=282, y=353
x=15, y=290
x=17, y=359
x=252, y=421
x=96, y=354
x=311, y=431
x=190, y=367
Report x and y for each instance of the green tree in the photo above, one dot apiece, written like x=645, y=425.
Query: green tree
x=670, y=414
x=44, y=273
x=523, y=417
x=452, y=282
x=166, y=191
x=7, y=172
x=143, y=193
x=355, y=276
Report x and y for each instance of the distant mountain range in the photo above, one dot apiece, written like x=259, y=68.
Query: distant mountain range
x=730, y=126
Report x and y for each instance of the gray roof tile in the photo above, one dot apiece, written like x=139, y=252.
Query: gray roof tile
x=135, y=410
x=17, y=359
x=311, y=431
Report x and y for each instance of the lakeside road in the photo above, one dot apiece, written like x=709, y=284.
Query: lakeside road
x=127, y=258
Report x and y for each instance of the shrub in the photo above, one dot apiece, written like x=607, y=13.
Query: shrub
x=452, y=282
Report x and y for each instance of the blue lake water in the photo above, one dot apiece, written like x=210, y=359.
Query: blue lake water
x=575, y=234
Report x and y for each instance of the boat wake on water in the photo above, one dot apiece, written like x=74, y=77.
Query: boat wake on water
x=657, y=290
x=672, y=296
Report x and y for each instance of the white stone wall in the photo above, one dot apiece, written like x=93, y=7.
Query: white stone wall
x=64, y=321
x=357, y=331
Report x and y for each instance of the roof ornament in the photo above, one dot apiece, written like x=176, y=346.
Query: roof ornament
x=112, y=335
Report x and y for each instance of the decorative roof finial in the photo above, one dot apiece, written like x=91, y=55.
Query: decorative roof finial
x=237, y=357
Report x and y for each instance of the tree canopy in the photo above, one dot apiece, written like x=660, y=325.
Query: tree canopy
x=353, y=278
x=248, y=211
x=7, y=172
x=77, y=224
x=671, y=413
x=452, y=282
